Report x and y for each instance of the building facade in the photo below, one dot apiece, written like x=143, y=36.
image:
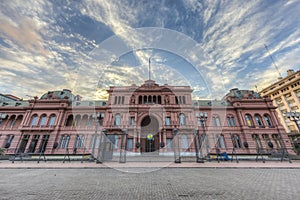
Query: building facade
x=151, y=116
x=285, y=94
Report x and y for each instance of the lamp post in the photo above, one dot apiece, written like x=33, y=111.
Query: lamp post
x=96, y=116
x=176, y=147
x=197, y=143
x=295, y=117
x=203, y=117
x=123, y=146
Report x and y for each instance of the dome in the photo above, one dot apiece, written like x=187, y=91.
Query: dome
x=60, y=94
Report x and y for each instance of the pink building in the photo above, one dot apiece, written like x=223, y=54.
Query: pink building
x=150, y=115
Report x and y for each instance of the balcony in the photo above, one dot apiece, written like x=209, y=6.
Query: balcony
x=37, y=128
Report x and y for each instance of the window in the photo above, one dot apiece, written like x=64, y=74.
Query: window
x=117, y=121
x=34, y=120
x=52, y=120
x=277, y=139
x=168, y=121
x=43, y=120
x=159, y=99
x=69, y=121
x=23, y=143
x=257, y=141
x=33, y=143
x=116, y=100
x=13, y=121
x=231, y=121
x=216, y=121
x=182, y=119
x=44, y=143
x=268, y=120
x=249, y=120
x=221, y=142
x=258, y=120
x=236, y=141
x=79, y=142
x=101, y=119
x=140, y=99
x=130, y=144
x=184, y=142
x=131, y=121
x=116, y=143
x=266, y=140
x=77, y=120
x=64, y=141
x=169, y=143
x=154, y=99
x=9, y=139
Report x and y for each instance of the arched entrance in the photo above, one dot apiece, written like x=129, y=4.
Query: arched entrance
x=149, y=134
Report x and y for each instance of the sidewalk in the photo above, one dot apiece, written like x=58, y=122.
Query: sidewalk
x=5, y=164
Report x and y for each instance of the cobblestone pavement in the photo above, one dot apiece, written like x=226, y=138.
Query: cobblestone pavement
x=164, y=183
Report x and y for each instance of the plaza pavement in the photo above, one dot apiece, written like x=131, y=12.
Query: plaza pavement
x=6, y=164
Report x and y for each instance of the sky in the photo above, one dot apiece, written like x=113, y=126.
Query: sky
x=87, y=46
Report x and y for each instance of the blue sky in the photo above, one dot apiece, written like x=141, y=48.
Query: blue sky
x=87, y=46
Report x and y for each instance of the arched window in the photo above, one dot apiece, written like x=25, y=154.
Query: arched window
x=77, y=120
x=249, y=120
x=13, y=121
x=145, y=99
x=52, y=120
x=34, y=120
x=43, y=120
x=258, y=120
x=221, y=142
x=184, y=142
x=154, y=99
x=268, y=120
x=159, y=99
x=182, y=119
x=117, y=121
x=140, y=100
x=149, y=99
x=69, y=121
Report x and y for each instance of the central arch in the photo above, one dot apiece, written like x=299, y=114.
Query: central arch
x=149, y=134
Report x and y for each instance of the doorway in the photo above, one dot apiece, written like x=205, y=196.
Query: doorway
x=149, y=135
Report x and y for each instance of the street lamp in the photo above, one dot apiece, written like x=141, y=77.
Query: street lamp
x=197, y=143
x=176, y=147
x=295, y=117
x=203, y=117
x=97, y=117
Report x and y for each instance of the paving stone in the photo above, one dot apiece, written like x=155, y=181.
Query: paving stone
x=165, y=183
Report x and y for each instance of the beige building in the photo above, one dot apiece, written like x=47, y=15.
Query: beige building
x=285, y=94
